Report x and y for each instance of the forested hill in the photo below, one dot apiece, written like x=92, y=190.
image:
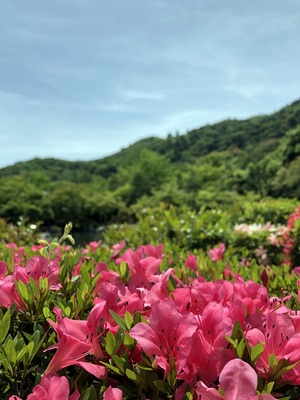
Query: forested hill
x=257, y=135
x=220, y=162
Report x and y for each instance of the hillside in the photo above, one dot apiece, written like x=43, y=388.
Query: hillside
x=263, y=132
x=215, y=164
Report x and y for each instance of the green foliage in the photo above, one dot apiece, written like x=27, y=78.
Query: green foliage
x=22, y=233
x=215, y=166
x=276, y=211
x=25, y=332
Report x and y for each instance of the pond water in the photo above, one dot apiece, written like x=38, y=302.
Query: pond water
x=81, y=237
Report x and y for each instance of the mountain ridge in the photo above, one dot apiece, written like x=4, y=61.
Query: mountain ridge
x=208, y=133
x=217, y=165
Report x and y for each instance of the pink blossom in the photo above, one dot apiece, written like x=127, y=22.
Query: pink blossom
x=206, y=350
x=216, y=253
x=51, y=387
x=280, y=339
x=39, y=266
x=94, y=245
x=112, y=394
x=191, y=262
x=165, y=335
x=238, y=381
x=3, y=269
x=141, y=269
x=9, y=294
x=75, y=341
x=150, y=251
x=261, y=254
x=116, y=248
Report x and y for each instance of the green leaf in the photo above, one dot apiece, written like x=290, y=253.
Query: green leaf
x=234, y=343
x=273, y=361
x=71, y=239
x=131, y=374
x=111, y=367
x=241, y=348
x=128, y=318
x=268, y=388
x=43, y=284
x=22, y=289
x=5, y=325
x=162, y=386
x=89, y=394
x=34, y=288
x=47, y=313
x=123, y=269
x=256, y=351
x=239, y=342
x=110, y=343
x=128, y=340
x=75, y=278
x=11, y=351
x=42, y=241
x=118, y=320
x=34, y=344
x=22, y=352
x=31, y=346
x=120, y=362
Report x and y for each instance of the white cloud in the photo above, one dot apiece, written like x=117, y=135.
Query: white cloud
x=104, y=74
x=143, y=95
x=249, y=91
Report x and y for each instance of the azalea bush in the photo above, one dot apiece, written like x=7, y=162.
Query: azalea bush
x=190, y=230
x=22, y=232
x=152, y=321
x=268, y=210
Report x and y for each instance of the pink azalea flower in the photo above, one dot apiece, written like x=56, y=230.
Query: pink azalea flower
x=280, y=339
x=238, y=381
x=51, y=387
x=141, y=269
x=19, y=254
x=117, y=301
x=159, y=291
x=94, y=245
x=206, y=350
x=9, y=294
x=116, y=248
x=112, y=394
x=36, y=267
x=3, y=269
x=191, y=262
x=75, y=341
x=254, y=296
x=216, y=253
x=106, y=276
x=195, y=297
x=37, y=247
x=165, y=335
x=150, y=251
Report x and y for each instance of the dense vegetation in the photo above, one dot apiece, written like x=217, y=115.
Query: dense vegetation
x=216, y=165
x=193, y=292
x=176, y=318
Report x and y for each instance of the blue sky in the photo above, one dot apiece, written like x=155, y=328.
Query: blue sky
x=81, y=79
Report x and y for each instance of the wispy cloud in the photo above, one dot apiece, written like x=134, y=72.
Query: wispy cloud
x=95, y=77
x=248, y=91
x=143, y=95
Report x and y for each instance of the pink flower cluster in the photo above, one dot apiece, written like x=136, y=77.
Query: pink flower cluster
x=185, y=333
x=54, y=387
x=288, y=240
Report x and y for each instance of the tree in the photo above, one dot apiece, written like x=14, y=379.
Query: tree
x=147, y=174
